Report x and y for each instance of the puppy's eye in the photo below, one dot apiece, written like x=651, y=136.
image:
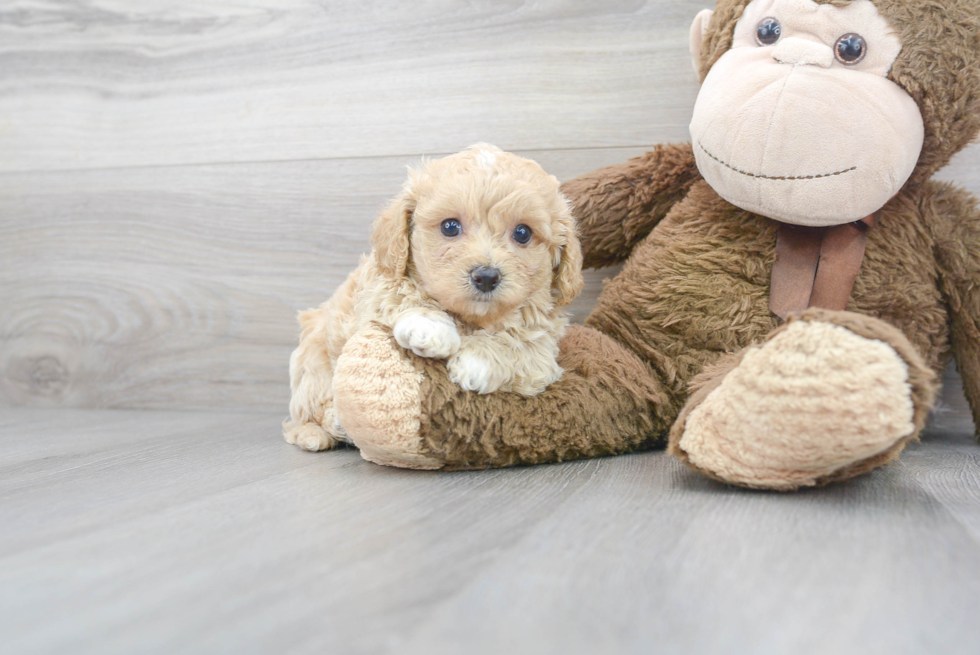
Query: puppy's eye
x=768, y=32
x=450, y=227
x=850, y=49
x=522, y=234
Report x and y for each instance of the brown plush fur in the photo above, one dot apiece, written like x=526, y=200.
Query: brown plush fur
x=954, y=217
x=694, y=292
x=922, y=381
x=624, y=403
x=635, y=195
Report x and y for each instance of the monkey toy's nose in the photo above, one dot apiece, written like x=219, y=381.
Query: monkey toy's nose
x=485, y=278
x=803, y=52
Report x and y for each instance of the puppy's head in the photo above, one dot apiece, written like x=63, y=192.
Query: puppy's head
x=483, y=232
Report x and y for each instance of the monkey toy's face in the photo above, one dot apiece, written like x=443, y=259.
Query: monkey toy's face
x=798, y=121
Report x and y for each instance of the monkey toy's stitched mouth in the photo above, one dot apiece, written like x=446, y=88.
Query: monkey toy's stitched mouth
x=774, y=177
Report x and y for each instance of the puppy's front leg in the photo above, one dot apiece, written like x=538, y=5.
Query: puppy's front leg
x=427, y=333
x=502, y=362
x=474, y=372
x=483, y=364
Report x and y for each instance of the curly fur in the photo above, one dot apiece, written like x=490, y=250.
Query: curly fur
x=417, y=282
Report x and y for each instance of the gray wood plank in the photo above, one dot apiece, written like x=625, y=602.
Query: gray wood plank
x=221, y=538
x=104, y=83
x=177, y=287
x=951, y=476
x=875, y=565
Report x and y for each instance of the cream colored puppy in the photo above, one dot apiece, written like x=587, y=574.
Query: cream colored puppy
x=472, y=263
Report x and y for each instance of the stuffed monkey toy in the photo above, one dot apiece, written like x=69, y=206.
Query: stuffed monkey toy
x=793, y=279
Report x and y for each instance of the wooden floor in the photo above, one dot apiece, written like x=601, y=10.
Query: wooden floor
x=129, y=531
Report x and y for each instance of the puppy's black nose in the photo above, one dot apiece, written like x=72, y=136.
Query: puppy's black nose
x=485, y=278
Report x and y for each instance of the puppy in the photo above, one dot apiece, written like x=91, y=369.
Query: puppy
x=472, y=263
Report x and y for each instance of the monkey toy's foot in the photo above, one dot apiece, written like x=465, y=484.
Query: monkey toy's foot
x=377, y=392
x=828, y=396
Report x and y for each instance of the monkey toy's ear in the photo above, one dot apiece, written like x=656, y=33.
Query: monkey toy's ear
x=698, y=29
x=391, y=234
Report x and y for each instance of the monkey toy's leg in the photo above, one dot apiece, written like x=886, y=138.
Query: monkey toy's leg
x=827, y=396
x=772, y=417
x=402, y=410
x=954, y=217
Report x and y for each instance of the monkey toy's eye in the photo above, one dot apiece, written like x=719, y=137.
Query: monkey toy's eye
x=522, y=234
x=450, y=227
x=768, y=32
x=850, y=49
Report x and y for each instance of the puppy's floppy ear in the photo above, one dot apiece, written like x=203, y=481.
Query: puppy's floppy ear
x=568, y=280
x=391, y=234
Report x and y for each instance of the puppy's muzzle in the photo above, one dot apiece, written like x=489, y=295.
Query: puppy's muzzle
x=485, y=278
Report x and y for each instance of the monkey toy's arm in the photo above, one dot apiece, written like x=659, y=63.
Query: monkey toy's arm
x=618, y=205
x=955, y=219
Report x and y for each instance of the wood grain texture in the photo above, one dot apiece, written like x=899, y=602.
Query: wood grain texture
x=112, y=83
x=177, y=287
x=161, y=532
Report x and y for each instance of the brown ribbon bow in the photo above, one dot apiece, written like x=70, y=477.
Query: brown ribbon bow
x=817, y=266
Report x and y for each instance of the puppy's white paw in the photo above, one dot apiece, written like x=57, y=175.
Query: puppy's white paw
x=312, y=435
x=309, y=436
x=473, y=373
x=427, y=336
